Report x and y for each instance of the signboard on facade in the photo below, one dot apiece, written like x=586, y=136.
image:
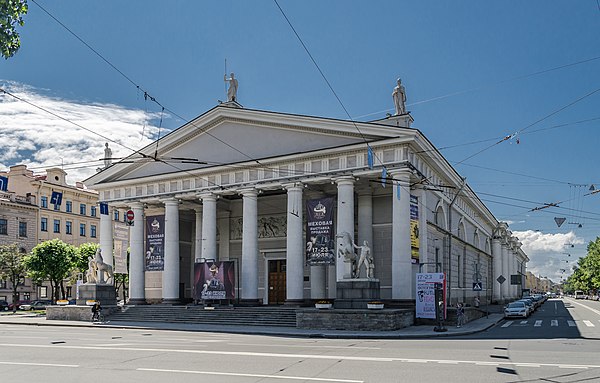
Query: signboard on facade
x=214, y=280
x=414, y=228
x=121, y=243
x=425, y=299
x=320, y=245
x=155, y=243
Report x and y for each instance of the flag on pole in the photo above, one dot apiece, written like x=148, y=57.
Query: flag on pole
x=383, y=176
x=4, y=183
x=370, y=157
x=398, y=190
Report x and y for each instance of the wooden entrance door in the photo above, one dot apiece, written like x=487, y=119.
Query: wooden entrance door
x=277, y=281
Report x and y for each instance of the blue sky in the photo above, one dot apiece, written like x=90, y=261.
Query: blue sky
x=474, y=71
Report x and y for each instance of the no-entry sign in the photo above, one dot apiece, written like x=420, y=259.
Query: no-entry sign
x=129, y=217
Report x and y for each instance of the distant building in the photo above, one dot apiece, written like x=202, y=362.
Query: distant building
x=18, y=218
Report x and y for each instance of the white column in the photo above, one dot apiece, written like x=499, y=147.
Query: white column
x=137, y=276
x=514, y=268
x=365, y=222
x=209, y=226
x=497, y=256
x=106, y=240
x=295, y=246
x=250, y=246
x=198, y=234
x=345, y=222
x=223, y=223
x=401, y=254
x=170, y=275
x=505, y=270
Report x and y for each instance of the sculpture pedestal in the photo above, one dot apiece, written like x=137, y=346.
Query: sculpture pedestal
x=105, y=294
x=355, y=293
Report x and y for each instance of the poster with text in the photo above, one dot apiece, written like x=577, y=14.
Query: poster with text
x=214, y=280
x=425, y=299
x=320, y=246
x=414, y=228
x=155, y=243
x=121, y=243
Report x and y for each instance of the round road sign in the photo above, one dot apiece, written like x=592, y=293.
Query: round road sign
x=129, y=215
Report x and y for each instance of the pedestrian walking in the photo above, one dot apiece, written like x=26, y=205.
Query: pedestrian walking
x=476, y=302
x=460, y=314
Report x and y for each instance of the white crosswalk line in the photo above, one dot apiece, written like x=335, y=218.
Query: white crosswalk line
x=554, y=322
x=588, y=323
x=538, y=323
x=571, y=323
x=523, y=322
x=506, y=324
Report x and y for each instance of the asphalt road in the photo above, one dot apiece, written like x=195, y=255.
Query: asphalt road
x=501, y=354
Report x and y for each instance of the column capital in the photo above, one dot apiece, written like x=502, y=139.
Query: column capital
x=136, y=205
x=345, y=180
x=250, y=192
x=400, y=171
x=293, y=185
x=170, y=201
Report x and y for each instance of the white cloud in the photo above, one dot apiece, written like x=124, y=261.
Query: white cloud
x=40, y=140
x=549, y=253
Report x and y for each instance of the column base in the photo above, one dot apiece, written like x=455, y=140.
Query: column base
x=294, y=302
x=249, y=302
x=171, y=301
x=137, y=301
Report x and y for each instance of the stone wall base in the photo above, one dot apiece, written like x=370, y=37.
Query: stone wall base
x=356, y=320
x=75, y=313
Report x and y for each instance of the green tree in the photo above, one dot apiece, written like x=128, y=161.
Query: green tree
x=12, y=268
x=51, y=260
x=11, y=15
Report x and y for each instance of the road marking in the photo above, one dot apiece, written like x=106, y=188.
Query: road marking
x=252, y=375
x=589, y=308
x=523, y=322
x=506, y=324
x=40, y=364
x=572, y=323
x=588, y=323
x=538, y=323
x=554, y=322
x=305, y=346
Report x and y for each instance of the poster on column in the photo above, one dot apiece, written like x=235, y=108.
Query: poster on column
x=155, y=243
x=425, y=299
x=214, y=280
x=414, y=228
x=320, y=246
x=121, y=243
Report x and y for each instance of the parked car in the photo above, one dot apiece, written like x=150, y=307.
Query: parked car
x=516, y=309
x=4, y=306
x=36, y=305
x=18, y=304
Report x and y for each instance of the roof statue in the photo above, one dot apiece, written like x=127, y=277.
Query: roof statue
x=233, y=87
x=399, y=96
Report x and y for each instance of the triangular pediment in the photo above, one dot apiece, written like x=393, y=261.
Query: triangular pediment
x=225, y=136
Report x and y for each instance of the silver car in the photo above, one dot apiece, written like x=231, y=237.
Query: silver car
x=516, y=309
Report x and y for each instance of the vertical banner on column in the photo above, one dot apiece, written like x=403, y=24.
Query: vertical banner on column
x=214, y=280
x=320, y=246
x=155, y=243
x=121, y=241
x=414, y=228
x=425, y=299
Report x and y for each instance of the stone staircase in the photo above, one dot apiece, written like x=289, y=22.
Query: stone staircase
x=280, y=316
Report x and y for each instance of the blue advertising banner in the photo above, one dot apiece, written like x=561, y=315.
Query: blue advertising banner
x=214, y=280
x=155, y=243
x=320, y=244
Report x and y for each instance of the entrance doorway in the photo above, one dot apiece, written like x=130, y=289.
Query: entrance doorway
x=277, y=289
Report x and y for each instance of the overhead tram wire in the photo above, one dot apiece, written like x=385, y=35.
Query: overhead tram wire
x=532, y=124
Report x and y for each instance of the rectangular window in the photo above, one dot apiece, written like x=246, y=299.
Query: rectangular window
x=43, y=292
x=27, y=296
x=93, y=211
x=93, y=231
x=45, y=201
x=44, y=224
x=3, y=226
x=69, y=206
x=56, y=207
x=117, y=215
x=57, y=225
x=69, y=227
x=22, y=229
x=82, y=209
x=82, y=229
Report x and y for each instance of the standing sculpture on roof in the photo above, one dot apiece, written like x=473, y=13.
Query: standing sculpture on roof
x=233, y=87
x=399, y=96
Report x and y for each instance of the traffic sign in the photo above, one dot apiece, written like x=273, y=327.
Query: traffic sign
x=501, y=279
x=477, y=286
x=129, y=217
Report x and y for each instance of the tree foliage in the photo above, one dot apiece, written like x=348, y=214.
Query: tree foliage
x=12, y=268
x=51, y=260
x=11, y=15
x=586, y=275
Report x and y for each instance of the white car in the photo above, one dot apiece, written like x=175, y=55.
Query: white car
x=516, y=309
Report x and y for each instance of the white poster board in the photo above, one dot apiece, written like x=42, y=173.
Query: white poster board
x=425, y=299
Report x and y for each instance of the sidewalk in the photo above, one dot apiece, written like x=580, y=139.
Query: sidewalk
x=412, y=332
